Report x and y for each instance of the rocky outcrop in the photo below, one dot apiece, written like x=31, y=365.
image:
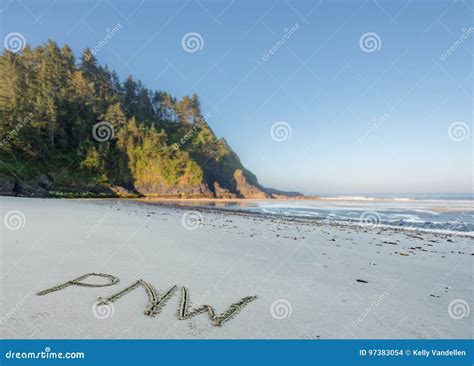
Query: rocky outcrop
x=276, y=193
x=37, y=187
x=122, y=192
x=7, y=185
x=246, y=189
x=222, y=193
x=239, y=187
x=160, y=190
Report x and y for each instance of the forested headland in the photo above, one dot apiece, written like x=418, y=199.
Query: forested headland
x=69, y=127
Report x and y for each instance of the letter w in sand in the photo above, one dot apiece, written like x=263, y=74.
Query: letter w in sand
x=185, y=313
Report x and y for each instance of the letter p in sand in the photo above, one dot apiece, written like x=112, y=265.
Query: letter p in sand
x=77, y=282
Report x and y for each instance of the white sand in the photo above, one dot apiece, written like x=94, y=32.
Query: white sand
x=229, y=257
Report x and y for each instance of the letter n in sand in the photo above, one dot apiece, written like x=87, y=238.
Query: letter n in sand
x=155, y=301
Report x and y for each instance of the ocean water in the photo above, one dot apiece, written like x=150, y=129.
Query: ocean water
x=453, y=214
x=406, y=196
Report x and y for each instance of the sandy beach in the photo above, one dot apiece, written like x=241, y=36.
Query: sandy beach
x=312, y=280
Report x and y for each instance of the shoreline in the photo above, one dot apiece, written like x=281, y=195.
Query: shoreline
x=182, y=205
x=361, y=200
x=307, y=220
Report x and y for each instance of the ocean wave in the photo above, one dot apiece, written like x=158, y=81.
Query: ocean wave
x=416, y=219
x=450, y=217
x=366, y=198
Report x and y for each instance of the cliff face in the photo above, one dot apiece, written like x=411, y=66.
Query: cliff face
x=246, y=189
x=218, y=171
x=44, y=185
x=73, y=129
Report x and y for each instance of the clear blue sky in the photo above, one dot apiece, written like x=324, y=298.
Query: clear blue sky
x=319, y=81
